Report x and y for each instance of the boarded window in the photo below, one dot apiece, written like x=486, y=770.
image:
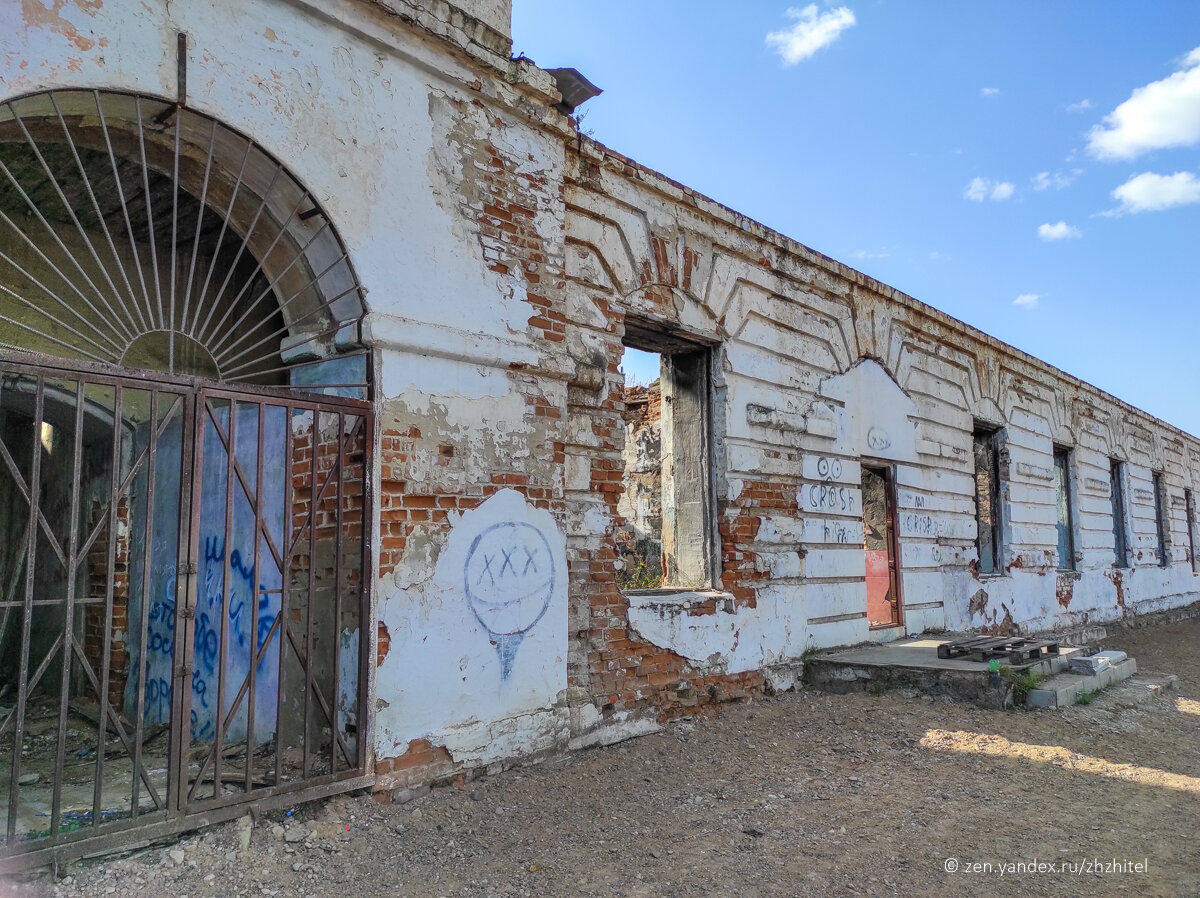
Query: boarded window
x=1117, y=491
x=1064, y=519
x=666, y=539
x=987, y=498
x=1160, y=518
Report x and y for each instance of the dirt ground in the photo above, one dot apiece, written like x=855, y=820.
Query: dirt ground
x=802, y=794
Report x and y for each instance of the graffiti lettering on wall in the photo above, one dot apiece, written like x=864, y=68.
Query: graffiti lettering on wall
x=822, y=497
x=509, y=579
x=878, y=439
x=837, y=533
x=918, y=525
x=829, y=468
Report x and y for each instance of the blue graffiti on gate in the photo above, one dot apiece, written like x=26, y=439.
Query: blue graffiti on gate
x=227, y=536
x=160, y=635
x=240, y=646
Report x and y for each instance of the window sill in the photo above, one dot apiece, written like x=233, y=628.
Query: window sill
x=702, y=593
x=681, y=597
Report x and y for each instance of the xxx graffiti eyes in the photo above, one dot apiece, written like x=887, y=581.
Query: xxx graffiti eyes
x=508, y=564
x=509, y=578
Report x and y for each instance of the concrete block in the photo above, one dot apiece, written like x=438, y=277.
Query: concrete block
x=1041, y=698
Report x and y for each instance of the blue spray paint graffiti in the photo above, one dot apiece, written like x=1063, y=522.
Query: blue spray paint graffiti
x=509, y=580
x=216, y=606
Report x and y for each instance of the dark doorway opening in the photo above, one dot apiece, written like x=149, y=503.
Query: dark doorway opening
x=881, y=547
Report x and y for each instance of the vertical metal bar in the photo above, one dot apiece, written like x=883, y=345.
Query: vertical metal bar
x=187, y=293
x=312, y=584
x=191, y=466
x=200, y=334
x=116, y=340
x=366, y=581
x=226, y=598
x=35, y=495
x=70, y=210
x=64, y=690
x=181, y=68
x=141, y=130
x=133, y=243
x=231, y=306
x=255, y=586
x=108, y=353
x=285, y=581
x=216, y=252
x=894, y=572
x=340, y=461
x=87, y=183
x=233, y=335
x=144, y=616
x=105, y=662
x=174, y=241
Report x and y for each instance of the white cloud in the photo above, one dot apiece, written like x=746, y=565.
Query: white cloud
x=989, y=91
x=1044, y=180
x=1027, y=300
x=1149, y=192
x=981, y=189
x=1082, y=106
x=867, y=254
x=812, y=31
x=1162, y=114
x=1060, y=231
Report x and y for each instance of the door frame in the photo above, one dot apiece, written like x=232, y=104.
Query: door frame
x=887, y=470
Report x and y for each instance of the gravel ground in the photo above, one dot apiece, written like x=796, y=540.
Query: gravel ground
x=802, y=794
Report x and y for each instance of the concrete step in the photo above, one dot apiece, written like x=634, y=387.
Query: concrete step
x=913, y=665
x=1063, y=689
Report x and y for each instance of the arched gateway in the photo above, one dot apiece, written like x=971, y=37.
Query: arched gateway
x=185, y=439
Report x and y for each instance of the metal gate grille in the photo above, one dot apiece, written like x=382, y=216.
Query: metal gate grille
x=184, y=576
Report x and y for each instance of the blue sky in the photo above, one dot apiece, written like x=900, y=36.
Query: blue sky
x=1031, y=168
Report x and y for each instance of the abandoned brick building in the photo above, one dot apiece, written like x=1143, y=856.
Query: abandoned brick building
x=318, y=472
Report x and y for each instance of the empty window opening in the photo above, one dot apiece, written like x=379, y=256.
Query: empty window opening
x=879, y=544
x=987, y=498
x=1160, y=518
x=1065, y=517
x=665, y=539
x=1117, y=491
x=1189, y=506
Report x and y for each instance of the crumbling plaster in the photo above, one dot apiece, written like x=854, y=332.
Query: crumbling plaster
x=794, y=326
x=500, y=252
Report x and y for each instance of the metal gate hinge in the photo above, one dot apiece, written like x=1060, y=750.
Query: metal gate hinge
x=187, y=568
x=188, y=613
x=183, y=671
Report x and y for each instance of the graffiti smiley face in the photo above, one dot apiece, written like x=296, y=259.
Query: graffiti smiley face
x=509, y=577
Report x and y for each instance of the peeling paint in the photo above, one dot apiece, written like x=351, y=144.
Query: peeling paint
x=37, y=15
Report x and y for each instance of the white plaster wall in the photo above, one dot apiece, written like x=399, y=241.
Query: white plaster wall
x=371, y=122
x=355, y=120
x=497, y=589
x=817, y=375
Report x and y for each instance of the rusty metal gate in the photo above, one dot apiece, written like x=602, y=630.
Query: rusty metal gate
x=184, y=455
x=185, y=576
